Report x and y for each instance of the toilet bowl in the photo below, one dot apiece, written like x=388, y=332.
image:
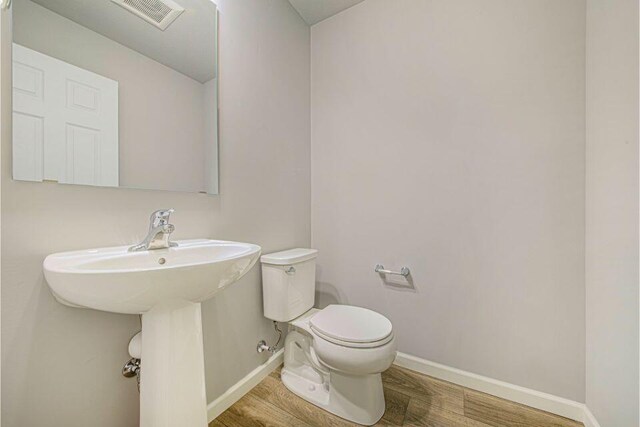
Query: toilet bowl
x=332, y=357
x=340, y=376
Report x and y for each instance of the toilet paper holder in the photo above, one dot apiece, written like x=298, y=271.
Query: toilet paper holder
x=404, y=271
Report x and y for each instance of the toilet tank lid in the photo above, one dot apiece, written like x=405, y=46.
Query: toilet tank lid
x=291, y=256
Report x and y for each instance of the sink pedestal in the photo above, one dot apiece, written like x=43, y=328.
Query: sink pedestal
x=165, y=286
x=172, y=389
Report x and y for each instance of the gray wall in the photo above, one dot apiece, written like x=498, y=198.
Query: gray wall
x=161, y=113
x=61, y=366
x=612, y=212
x=448, y=136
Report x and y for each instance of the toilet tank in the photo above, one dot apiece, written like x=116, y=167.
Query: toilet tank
x=288, y=283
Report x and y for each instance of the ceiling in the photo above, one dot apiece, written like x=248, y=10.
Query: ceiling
x=314, y=11
x=187, y=45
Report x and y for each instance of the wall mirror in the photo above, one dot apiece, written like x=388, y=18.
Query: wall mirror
x=116, y=93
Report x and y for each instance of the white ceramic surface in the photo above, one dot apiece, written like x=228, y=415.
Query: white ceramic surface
x=344, y=324
x=289, y=257
x=288, y=283
x=114, y=280
x=332, y=357
x=345, y=381
x=166, y=286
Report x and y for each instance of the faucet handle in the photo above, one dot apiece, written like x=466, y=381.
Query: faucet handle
x=161, y=217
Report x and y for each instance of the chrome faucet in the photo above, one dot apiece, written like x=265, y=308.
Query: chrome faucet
x=159, y=232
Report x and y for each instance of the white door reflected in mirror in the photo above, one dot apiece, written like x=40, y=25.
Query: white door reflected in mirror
x=65, y=122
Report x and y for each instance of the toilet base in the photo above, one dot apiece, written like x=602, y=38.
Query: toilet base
x=356, y=398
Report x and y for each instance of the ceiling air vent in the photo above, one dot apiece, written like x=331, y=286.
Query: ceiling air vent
x=160, y=13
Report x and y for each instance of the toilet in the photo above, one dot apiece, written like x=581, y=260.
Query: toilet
x=332, y=357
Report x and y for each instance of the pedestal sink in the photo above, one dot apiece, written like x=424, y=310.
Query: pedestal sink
x=165, y=286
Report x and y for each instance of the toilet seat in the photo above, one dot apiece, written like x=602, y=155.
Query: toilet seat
x=351, y=326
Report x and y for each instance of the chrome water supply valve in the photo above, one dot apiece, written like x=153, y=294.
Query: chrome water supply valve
x=131, y=368
x=263, y=346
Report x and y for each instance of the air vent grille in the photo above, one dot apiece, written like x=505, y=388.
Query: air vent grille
x=152, y=9
x=160, y=13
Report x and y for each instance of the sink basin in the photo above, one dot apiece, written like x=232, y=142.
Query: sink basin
x=165, y=286
x=115, y=280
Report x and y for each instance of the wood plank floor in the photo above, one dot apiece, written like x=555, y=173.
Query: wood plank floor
x=412, y=399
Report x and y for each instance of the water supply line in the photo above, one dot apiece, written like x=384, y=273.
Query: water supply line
x=133, y=367
x=262, y=345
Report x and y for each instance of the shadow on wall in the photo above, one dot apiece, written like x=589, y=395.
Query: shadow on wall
x=231, y=327
x=327, y=294
x=398, y=283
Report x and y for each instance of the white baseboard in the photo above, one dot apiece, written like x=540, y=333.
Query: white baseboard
x=589, y=419
x=536, y=399
x=546, y=402
x=242, y=387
